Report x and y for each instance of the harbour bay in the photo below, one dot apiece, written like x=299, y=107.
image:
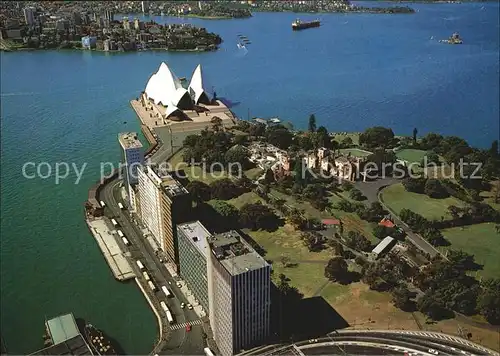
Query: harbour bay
x=353, y=72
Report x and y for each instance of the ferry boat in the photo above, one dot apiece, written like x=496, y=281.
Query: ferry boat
x=98, y=341
x=299, y=25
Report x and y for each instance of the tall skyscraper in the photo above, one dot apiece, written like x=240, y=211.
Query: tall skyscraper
x=164, y=203
x=193, y=240
x=132, y=158
x=29, y=16
x=239, y=291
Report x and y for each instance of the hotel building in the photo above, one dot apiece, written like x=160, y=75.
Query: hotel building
x=164, y=202
x=132, y=157
x=193, y=240
x=239, y=282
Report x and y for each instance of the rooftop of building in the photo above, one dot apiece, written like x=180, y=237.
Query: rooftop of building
x=235, y=254
x=167, y=182
x=73, y=346
x=66, y=337
x=129, y=140
x=383, y=245
x=62, y=328
x=197, y=234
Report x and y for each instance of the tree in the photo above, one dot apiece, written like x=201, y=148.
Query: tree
x=199, y=191
x=347, y=186
x=431, y=141
x=401, y=297
x=320, y=138
x=285, y=261
x=279, y=136
x=434, y=189
x=313, y=241
x=463, y=261
x=312, y=123
x=376, y=137
x=346, y=142
x=414, y=185
x=336, y=269
x=224, y=189
x=240, y=139
x=256, y=216
x=489, y=300
x=358, y=242
x=415, y=132
x=257, y=130
x=356, y=194
x=494, y=151
x=337, y=247
x=430, y=158
x=431, y=307
x=226, y=210
x=191, y=141
x=269, y=176
x=296, y=218
x=237, y=154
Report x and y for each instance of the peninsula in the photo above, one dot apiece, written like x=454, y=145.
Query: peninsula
x=55, y=26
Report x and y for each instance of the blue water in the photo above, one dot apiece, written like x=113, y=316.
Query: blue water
x=353, y=72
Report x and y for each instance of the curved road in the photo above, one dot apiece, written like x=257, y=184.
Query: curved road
x=179, y=341
x=353, y=342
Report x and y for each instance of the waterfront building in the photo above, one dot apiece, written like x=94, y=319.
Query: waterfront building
x=164, y=203
x=89, y=42
x=239, y=290
x=29, y=16
x=193, y=251
x=169, y=102
x=132, y=158
x=145, y=6
x=109, y=15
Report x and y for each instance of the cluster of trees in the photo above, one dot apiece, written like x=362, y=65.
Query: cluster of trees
x=424, y=227
x=214, y=146
x=454, y=149
x=448, y=288
x=221, y=189
x=359, y=242
x=430, y=186
x=381, y=232
x=378, y=137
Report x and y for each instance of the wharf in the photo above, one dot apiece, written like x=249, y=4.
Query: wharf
x=115, y=257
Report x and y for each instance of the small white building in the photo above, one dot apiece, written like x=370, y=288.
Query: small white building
x=384, y=246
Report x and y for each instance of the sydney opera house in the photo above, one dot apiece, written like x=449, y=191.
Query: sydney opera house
x=166, y=101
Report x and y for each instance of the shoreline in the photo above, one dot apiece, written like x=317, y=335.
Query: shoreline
x=103, y=51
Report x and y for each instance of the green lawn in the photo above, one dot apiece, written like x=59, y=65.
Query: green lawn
x=482, y=241
x=411, y=155
x=397, y=198
x=356, y=152
x=353, y=135
x=308, y=274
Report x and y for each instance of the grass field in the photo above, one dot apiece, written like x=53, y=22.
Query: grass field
x=482, y=241
x=356, y=152
x=411, y=155
x=397, y=198
x=339, y=137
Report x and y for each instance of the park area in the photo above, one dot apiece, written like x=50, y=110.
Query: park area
x=411, y=155
x=480, y=240
x=397, y=198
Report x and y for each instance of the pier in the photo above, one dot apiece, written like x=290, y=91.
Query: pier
x=115, y=257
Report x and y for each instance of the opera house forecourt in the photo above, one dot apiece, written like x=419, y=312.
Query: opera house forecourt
x=166, y=102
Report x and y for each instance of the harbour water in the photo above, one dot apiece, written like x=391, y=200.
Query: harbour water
x=355, y=71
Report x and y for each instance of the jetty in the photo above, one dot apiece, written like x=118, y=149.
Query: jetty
x=116, y=258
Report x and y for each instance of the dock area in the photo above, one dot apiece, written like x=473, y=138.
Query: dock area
x=113, y=253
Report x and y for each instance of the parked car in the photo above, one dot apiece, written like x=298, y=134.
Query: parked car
x=183, y=305
x=188, y=327
x=434, y=352
x=190, y=307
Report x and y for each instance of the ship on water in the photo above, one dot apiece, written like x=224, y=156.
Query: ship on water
x=98, y=341
x=300, y=25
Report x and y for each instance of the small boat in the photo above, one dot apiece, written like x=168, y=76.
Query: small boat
x=182, y=79
x=240, y=46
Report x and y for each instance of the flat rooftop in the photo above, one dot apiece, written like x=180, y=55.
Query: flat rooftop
x=167, y=182
x=129, y=140
x=62, y=328
x=73, y=346
x=235, y=254
x=197, y=234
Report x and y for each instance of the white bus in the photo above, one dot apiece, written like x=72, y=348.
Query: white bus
x=125, y=241
x=146, y=276
x=113, y=221
x=169, y=317
x=164, y=306
x=152, y=286
x=166, y=291
x=208, y=352
x=120, y=205
x=140, y=265
x=120, y=233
